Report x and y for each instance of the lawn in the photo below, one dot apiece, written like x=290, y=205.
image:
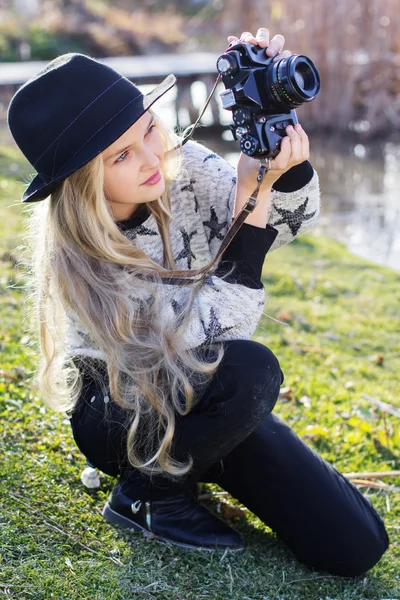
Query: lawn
x=335, y=328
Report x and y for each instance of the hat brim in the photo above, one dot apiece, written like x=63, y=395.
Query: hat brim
x=39, y=188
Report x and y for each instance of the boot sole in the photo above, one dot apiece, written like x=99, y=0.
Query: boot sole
x=111, y=516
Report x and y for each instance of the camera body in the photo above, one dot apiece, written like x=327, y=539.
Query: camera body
x=263, y=95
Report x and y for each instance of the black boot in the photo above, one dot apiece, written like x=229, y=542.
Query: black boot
x=179, y=520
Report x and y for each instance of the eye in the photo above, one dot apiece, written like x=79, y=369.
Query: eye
x=122, y=157
x=124, y=154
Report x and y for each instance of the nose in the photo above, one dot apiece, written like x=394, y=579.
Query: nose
x=150, y=160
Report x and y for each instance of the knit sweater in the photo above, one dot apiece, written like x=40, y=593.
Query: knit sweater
x=202, y=209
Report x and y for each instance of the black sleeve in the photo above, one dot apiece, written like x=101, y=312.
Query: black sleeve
x=247, y=252
x=294, y=179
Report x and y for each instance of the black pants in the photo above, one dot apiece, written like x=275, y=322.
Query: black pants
x=236, y=442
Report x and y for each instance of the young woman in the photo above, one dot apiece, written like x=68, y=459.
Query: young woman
x=155, y=368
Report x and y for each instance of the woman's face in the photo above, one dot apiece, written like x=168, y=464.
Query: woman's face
x=129, y=163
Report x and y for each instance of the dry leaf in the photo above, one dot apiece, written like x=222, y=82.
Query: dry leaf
x=19, y=371
x=8, y=375
x=369, y=483
x=378, y=445
x=230, y=511
x=284, y=316
x=286, y=393
x=378, y=359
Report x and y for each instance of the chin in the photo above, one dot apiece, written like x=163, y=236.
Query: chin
x=157, y=189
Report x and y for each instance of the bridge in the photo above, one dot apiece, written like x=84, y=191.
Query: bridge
x=142, y=70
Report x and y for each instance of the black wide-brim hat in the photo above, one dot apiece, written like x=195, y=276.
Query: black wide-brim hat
x=69, y=113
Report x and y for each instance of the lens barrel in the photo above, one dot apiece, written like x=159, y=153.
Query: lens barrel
x=291, y=81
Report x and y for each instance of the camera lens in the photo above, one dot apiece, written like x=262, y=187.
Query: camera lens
x=300, y=79
x=292, y=81
x=305, y=78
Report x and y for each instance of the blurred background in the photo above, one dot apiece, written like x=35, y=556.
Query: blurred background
x=353, y=124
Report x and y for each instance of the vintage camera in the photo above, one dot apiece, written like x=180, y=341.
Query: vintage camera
x=262, y=95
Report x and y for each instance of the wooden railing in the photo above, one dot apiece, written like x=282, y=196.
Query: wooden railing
x=142, y=70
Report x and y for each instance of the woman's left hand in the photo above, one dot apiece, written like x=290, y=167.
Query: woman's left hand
x=262, y=39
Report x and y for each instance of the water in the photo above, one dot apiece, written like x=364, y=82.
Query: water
x=360, y=183
x=360, y=204
x=360, y=197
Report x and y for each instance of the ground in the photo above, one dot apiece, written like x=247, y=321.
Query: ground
x=337, y=340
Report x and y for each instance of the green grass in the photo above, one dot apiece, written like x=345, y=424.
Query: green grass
x=340, y=342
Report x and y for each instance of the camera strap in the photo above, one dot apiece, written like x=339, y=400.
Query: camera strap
x=265, y=165
x=233, y=229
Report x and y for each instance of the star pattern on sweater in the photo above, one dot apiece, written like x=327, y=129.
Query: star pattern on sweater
x=142, y=305
x=142, y=230
x=294, y=219
x=187, y=251
x=210, y=281
x=86, y=339
x=215, y=226
x=176, y=307
x=214, y=328
x=189, y=188
x=228, y=202
x=210, y=156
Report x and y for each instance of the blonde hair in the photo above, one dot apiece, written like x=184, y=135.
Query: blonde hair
x=81, y=261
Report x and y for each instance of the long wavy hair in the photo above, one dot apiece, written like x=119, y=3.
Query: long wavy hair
x=82, y=262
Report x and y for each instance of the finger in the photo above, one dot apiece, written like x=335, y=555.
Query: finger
x=281, y=160
x=305, y=142
x=276, y=45
x=296, y=145
x=290, y=150
x=284, y=54
x=263, y=37
x=232, y=41
x=248, y=37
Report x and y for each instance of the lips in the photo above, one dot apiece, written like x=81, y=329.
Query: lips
x=153, y=179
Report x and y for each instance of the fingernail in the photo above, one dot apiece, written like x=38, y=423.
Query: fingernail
x=290, y=128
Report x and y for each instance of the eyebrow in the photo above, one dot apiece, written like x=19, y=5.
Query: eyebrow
x=130, y=145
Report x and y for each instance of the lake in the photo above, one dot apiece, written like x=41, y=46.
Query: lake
x=360, y=199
